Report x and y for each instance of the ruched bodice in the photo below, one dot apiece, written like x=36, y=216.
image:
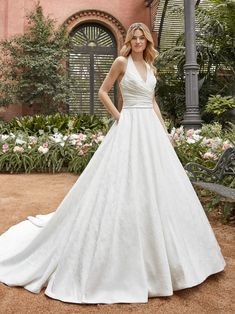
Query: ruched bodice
x=135, y=91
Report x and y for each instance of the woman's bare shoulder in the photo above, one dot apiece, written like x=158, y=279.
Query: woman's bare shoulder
x=121, y=61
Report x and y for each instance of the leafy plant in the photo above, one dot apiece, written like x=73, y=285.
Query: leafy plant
x=215, y=56
x=218, y=106
x=32, y=70
x=203, y=146
x=20, y=152
x=63, y=123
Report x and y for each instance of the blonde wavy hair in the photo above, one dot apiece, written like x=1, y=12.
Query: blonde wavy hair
x=150, y=53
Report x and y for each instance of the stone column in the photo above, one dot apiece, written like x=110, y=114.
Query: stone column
x=192, y=117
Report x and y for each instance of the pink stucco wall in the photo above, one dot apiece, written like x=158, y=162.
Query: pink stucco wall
x=13, y=22
x=12, y=12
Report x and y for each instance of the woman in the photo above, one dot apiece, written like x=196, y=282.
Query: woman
x=132, y=226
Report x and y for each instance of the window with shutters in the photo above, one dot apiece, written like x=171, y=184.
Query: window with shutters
x=92, y=52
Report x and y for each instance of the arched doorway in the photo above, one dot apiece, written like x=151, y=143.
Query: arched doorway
x=92, y=51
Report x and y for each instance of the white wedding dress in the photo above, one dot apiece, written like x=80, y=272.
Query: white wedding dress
x=130, y=228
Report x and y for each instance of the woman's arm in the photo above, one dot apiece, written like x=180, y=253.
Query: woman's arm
x=115, y=71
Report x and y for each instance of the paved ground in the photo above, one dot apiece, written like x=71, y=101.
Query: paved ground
x=23, y=195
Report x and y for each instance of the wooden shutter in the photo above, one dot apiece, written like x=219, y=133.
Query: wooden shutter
x=92, y=52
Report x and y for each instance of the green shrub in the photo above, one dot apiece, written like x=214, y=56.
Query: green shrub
x=63, y=123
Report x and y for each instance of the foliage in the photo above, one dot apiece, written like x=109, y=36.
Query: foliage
x=31, y=68
x=63, y=123
x=203, y=146
x=215, y=56
x=55, y=152
x=219, y=106
x=215, y=48
x=226, y=210
x=170, y=87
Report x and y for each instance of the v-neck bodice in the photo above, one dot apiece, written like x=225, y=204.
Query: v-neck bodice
x=146, y=66
x=135, y=91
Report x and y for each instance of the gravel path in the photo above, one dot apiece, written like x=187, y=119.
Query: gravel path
x=31, y=194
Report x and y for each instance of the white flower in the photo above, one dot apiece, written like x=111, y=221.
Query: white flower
x=190, y=140
x=41, y=131
x=196, y=137
x=73, y=142
x=33, y=139
x=79, y=137
x=73, y=136
x=4, y=137
x=216, y=143
x=57, y=138
x=19, y=141
x=204, y=141
x=42, y=149
x=173, y=131
x=100, y=138
x=62, y=144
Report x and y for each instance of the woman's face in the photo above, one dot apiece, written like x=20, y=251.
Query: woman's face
x=138, y=41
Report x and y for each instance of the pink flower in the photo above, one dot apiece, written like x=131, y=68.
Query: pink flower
x=82, y=136
x=175, y=136
x=180, y=130
x=190, y=132
x=209, y=155
x=226, y=145
x=78, y=142
x=81, y=152
x=100, y=138
x=209, y=142
x=45, y=145
x=86, y=145
x=97, y=137
x=18, y=149
x=5, y=147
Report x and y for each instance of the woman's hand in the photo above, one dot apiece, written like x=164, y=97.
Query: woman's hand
x=116, y=118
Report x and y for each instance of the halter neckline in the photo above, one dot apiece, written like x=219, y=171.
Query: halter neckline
x=146, y=65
